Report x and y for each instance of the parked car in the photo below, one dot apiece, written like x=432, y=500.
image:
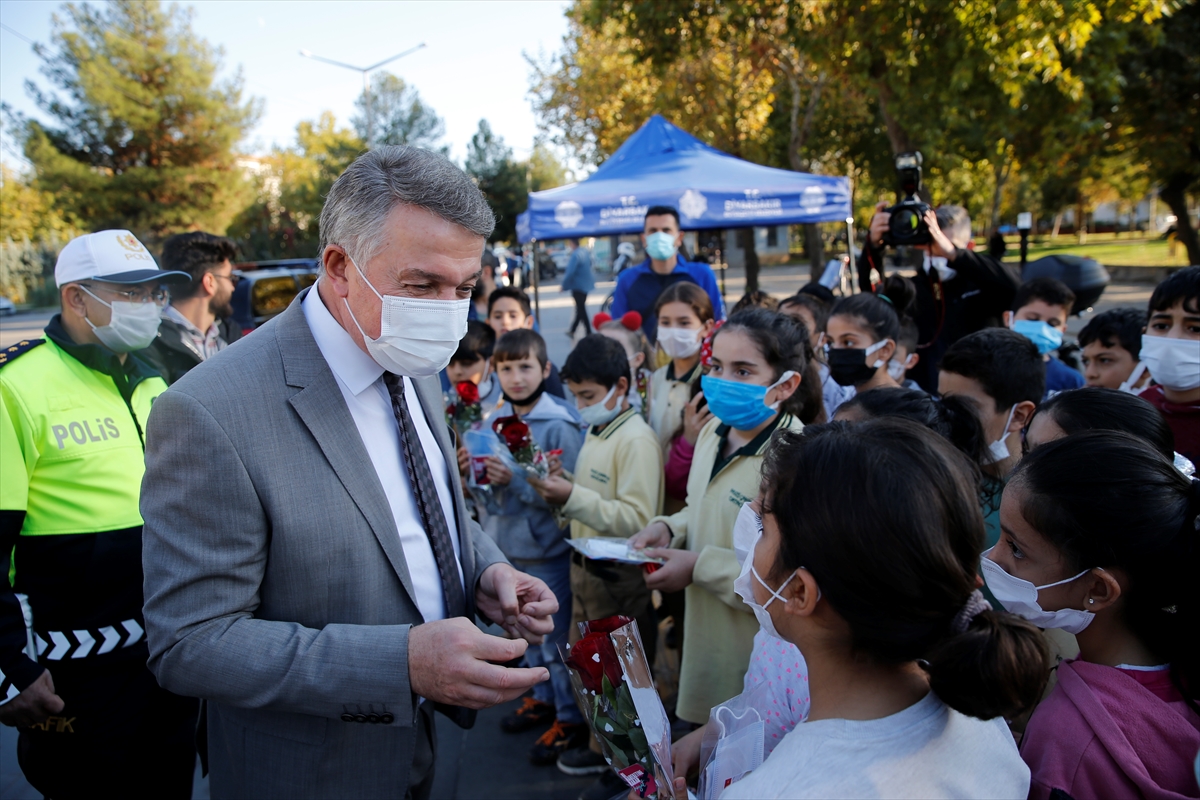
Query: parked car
x=266, y=288
x=7, y=306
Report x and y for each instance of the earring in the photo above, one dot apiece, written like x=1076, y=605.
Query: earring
x=1091, y=600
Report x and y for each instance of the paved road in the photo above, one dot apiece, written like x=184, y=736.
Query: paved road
x=484, y=762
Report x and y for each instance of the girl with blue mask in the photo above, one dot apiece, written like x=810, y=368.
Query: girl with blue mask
x=760, y=382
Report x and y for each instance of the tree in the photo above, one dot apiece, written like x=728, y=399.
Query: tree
x=1161, y=111
x=292, y=184
x=28, y=213
x=499, y=177
x=396, y=115
x=146, y=133
x=545, y=170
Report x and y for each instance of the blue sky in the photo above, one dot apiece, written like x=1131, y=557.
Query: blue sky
x=472, y=67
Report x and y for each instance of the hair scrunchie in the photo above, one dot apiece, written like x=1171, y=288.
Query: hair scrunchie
x=975, y=605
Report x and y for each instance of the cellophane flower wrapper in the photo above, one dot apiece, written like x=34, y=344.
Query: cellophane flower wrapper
x=523, y=448
x=615, y=690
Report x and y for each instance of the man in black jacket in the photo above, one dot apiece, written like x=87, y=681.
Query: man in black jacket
x=198, y=323
x=959, y=291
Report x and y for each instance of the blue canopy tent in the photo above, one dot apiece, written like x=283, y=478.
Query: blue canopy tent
x=662, y=164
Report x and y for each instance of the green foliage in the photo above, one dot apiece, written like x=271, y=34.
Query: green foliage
x=291, y=187
x=397, y=115
x=506, y=183
x=145, y=133
x=27, y=269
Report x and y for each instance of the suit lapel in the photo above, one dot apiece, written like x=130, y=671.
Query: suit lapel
x=322, y=409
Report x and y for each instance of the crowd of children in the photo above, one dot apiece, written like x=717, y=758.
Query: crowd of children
x=982, y=592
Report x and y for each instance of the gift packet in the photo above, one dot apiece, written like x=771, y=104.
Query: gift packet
x=613, y=684
x=611, y=548
x=733, y=743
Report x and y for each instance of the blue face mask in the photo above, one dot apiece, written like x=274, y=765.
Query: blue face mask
x=660, y=246
x=1041, y=334
x=740, y=405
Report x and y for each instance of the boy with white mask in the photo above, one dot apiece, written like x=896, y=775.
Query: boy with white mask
x=615, y=489
x=1171, y=353
x=1002, y=374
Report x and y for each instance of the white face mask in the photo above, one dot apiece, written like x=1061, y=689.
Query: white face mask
x=416, y=337
x=747, y=532
x=1020, y=597
x=598, y=413
x=1173, y=363
x=998, y=450
x=897, y=370
x=1129, y=383
x=679, y=342
x=941, y=265
x=133, y=326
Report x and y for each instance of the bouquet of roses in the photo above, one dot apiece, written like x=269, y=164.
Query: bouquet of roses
x=515, y=434
x=465, y=410
x=614, y=688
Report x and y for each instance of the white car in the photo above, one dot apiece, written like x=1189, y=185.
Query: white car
x=7, y=307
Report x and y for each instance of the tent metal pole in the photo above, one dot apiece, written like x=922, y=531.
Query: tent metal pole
x=850, y=249
x=532, y=262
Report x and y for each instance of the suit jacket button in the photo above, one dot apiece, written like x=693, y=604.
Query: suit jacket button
x=347, y=717
x=372, y=718
x=387, y=719
x=360, y=717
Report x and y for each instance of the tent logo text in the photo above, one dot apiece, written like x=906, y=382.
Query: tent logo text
x=812, y=198
x=568, y=213
x=693, y=204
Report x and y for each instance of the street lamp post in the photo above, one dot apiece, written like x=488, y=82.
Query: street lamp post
x=366, y=71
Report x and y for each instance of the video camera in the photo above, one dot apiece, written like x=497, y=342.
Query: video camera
x=907, y=224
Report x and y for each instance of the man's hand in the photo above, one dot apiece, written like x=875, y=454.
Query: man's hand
x=675, y=574
x=555, y=464
x=519, y=603
x=941, y=244
x=498, y=473
x=464, y=461
x=879, y=225
x=554, y=489
x=656, y=534
x=451, y=661
x=695, y=418
x=33, y=705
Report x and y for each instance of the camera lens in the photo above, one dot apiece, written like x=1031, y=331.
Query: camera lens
x=905, y=221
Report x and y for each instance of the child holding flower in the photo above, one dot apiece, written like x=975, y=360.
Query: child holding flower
x=531, y=419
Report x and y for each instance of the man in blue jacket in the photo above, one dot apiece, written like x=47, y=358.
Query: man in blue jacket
x=579, y=281
x=638, y=287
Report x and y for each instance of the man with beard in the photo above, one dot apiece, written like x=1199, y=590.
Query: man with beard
x=199, y=321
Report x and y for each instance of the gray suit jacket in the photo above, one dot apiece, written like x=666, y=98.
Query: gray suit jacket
x=275, y=584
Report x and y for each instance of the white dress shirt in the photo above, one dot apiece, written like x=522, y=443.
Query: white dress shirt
x=361, y=380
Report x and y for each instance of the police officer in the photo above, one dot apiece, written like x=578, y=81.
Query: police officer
x=73, y=409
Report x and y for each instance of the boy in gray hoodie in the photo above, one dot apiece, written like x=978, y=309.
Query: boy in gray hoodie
x=524, y=527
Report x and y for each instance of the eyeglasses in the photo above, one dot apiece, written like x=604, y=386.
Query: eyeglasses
x=233, y=278
x=140, y=294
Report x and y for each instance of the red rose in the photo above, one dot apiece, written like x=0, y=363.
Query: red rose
x=594, y=658
x=514, y=432
x=467, y=392
x=608, y=624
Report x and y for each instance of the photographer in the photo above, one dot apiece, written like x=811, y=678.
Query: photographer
x=959, y=291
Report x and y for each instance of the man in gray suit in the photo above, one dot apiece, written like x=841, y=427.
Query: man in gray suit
x=310, y=567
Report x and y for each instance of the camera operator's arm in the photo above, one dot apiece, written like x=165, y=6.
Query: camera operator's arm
x=873, y=252
x=994, y=278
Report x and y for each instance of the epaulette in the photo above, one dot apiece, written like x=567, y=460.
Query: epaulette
x=11, y=354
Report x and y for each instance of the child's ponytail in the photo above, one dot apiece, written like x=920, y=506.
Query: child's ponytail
x=992, y=664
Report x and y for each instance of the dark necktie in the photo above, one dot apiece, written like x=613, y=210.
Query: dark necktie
x=425, y=490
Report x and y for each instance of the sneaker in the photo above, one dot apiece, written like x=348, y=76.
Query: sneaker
x=561, y=737
x=531, y=714
x=582, y=761
x=608, y=786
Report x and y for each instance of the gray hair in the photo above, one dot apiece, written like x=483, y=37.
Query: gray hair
x=391, y=175
x=955, y=222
